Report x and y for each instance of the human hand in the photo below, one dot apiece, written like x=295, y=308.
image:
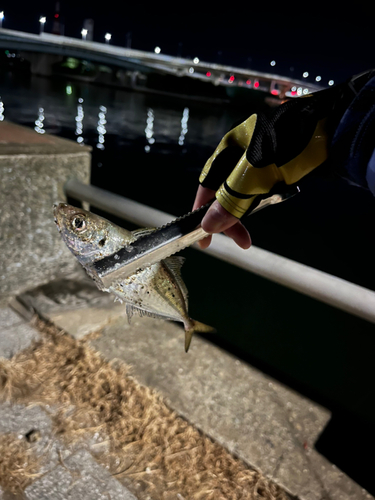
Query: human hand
x=218, y=220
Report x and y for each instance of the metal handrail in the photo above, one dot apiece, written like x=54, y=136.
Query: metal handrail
x=319, y=285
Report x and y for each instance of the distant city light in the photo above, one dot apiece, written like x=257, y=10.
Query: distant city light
x=84, y=33
x=68, y=89
x=149, y=130
x=39, y=122
x=101, y=127
x=331, y=82
x=157, y=50
x=305, y=74
x=107, y=37
x=318, y=78
x=273, y=63
x=184, y=127
x=195, y=60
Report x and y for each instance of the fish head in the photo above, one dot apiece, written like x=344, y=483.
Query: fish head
x=87, y=235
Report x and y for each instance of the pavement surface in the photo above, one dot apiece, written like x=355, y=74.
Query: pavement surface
x=265, y=424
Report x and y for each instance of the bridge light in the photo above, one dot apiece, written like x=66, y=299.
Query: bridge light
x=56, y=16
x=195, y=60
x=331, y=82
x=107, y=37
x=231, y=79
x=248, y=82
x=273, y=63
x=157, y=50
x=305, y=74
x=256, y=84
x=191, y=70
x=84, y=33
x=1, y=18
x=318, y=78
x=208, y=74
x=42, y=21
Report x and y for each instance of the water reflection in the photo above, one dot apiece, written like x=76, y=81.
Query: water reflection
x=184, y=127
x=39, y=122
x=1, y=110
x=101, y=127
x=79, y=121
x=149, y=130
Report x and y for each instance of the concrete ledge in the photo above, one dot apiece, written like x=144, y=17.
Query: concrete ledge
x=33, y=170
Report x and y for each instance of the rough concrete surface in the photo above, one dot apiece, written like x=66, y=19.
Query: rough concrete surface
x=266, y=424
x=33, y=170
x=63, y=472
x=78, y=477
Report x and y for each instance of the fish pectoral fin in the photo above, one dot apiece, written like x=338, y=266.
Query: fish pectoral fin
x=196, y=327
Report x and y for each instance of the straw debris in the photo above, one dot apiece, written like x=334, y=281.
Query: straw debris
x=145, y=444
x=18, y=465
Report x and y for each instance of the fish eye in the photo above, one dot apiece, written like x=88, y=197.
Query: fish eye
x=79, y=223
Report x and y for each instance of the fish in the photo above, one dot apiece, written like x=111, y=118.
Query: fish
x=157, y=291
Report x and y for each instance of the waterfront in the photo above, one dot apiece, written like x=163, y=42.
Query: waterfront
x=152, y=149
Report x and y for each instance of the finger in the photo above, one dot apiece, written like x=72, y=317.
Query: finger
x=240, y=235
x=205, y=242
x=217, y=219
x=203, y=196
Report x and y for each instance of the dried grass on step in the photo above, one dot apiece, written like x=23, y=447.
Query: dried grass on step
x=151, y=448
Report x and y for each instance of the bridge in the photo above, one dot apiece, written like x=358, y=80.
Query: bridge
x=45, y=49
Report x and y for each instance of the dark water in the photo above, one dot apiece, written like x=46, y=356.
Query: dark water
x=151, y=149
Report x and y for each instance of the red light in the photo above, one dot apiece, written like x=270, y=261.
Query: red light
x=231, y=79
x=208, y=74
x=248, y=82
x=56, y=16
x=294, y=92
x=256, y=84
x=274, y=92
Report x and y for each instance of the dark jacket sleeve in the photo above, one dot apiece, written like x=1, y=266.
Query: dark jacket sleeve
x=353, y=142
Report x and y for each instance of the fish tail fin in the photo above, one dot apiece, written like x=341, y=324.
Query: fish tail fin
x=196, y=326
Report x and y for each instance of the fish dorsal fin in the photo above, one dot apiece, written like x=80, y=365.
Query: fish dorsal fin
x=174, y=265
x=143, y=231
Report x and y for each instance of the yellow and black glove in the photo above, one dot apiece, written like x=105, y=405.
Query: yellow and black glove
x=281, y=146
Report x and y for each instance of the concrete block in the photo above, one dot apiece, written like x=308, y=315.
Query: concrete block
x=74, y=304
x=33, y=170
x=15, y=333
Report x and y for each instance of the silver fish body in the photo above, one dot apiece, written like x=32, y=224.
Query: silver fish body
x=157, y=291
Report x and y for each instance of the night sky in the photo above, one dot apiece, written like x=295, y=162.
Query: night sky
x=319, y=38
